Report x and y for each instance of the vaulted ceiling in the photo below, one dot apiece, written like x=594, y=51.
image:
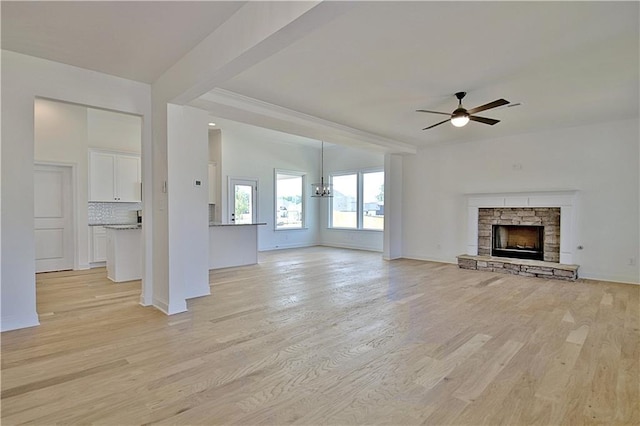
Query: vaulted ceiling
x=372, y=66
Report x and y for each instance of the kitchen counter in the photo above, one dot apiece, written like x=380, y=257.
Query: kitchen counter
x=131, y=226
x=236, y=224
x=233, y=244
x=114, y=224
x=124, y=252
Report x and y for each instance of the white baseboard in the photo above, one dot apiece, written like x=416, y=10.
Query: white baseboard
x=144, y=302
x=14, y=322
x=618, y=280
x=351, y=246
x=429, y=259
x=170, y=310
x=287, y=246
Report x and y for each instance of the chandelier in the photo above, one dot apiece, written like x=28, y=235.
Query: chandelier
x=322, y=190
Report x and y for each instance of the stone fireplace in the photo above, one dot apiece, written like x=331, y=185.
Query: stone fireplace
x=520, y=232
x=537, y=228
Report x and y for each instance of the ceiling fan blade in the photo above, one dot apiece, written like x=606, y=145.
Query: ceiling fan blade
x=490, y=105
x=489, y=121
x=433, y=112
x=437, y=124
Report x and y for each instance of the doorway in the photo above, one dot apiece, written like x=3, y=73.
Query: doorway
x=243, y=207
x=53, y=217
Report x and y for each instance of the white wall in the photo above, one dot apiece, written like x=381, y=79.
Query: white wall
x=343, y=159
x=23, y=79
x=114, y=131
x=244, y=154
x=600, y=161
x=188, y=151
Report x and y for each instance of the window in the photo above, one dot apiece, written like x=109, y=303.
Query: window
x=345, y=201
x=289, y=212
x=358, y=200
x=373, y=200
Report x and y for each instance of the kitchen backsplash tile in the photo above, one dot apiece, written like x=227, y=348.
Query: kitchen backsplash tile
x=113, y=213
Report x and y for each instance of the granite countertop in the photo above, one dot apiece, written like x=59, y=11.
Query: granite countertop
x=114, y=224
x=236, y=224
x=121, y=227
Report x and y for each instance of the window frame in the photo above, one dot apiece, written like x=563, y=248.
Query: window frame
x=359, y=198
x=303, y=202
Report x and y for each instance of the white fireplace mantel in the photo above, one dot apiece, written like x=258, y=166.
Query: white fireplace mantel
x=565, y=200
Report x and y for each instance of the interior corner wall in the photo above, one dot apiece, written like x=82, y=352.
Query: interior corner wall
x=215, y=156
x=600, y=161
x=392, y=247
x=246, y=155
x=344, y=159
x=24, y=78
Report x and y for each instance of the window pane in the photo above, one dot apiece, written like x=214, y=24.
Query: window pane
x=288, y=201
x=373, y=200
x=345, y=201
x=243, y=204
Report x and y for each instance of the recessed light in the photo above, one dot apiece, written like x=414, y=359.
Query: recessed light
x=212, y=124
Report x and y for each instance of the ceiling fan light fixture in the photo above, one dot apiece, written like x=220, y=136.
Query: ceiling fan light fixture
x=459, y=118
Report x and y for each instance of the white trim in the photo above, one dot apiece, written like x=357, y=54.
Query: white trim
x=351, y=247
x=169, y=310
x=15, y=322
x=565, y=200
x=287, y=246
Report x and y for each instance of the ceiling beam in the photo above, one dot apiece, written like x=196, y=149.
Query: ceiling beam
x=233, y=106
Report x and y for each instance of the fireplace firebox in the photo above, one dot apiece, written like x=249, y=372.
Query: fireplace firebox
x=518, y=241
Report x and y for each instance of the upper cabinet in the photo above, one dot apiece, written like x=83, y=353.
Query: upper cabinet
x=114, y=177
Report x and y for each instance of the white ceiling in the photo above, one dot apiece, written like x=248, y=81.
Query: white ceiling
x=137, y=40
x=369, y=69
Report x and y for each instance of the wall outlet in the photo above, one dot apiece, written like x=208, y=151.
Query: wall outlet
x=632, y=261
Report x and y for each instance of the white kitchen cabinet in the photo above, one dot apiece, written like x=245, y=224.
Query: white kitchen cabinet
x=98, y=244
x=114, y=177
x=213, y=170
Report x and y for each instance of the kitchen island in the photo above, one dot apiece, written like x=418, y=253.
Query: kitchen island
x=233, y=244
x=124, y=252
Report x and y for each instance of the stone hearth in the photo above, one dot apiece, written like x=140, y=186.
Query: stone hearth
x=527, y=268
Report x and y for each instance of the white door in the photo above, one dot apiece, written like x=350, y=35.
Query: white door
x=243, y=206
x=53, y=218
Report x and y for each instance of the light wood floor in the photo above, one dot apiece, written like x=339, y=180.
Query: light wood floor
x=329, y=336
